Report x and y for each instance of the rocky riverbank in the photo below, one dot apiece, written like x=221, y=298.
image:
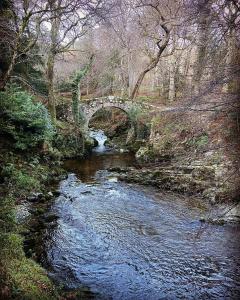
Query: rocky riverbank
x=193, y=179
x=183, y=155
x=21, y=276
x=27, y=188
x=191, y=154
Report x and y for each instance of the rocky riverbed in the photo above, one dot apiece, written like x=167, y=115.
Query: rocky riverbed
x=196, y=180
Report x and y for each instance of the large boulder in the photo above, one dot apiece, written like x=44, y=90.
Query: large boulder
x=130, y=136
x=144, y=154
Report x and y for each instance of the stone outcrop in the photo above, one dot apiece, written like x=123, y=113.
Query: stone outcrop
x=195, y=179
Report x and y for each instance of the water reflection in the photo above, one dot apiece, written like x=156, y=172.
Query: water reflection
x=87, y=168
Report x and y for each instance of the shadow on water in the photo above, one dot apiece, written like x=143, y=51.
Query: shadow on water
x=86, y=168
x=102, y=158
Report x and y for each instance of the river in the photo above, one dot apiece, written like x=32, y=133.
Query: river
x=125, y=241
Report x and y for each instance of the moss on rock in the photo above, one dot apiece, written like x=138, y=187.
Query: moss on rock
x=24, y=277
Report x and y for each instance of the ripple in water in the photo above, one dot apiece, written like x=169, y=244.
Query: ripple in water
x=127, y=242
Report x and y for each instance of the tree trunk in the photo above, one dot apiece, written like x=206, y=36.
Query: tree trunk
x=138, y=84
x=201, y=48
x=87, y=91
x=129, y=81
x=7, y=75
x=12, y=63
x=55, y=25
x=230, y=60
x=191, y=58
x=171, y=92
x=149, y=67
x=50, y=81
x=76, y=97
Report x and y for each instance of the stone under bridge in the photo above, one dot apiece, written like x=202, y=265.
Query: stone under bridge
x=91, y=106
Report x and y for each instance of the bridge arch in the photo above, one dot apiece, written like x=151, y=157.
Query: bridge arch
x=90, y=107
x=89, y=118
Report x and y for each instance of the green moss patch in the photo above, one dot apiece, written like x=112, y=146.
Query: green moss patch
x=26, y=279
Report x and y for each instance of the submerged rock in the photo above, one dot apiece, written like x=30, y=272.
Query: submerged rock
x=112, y=179
x=86, y=192
x=22, y=212
x=223, y=214
x=34, y=197
x=118, y=169
x=50, y=218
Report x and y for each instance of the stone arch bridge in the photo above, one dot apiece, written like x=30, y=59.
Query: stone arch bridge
x=91, y=106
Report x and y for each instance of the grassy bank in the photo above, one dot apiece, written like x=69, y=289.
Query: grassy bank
x=21, y=277
x=31, y=149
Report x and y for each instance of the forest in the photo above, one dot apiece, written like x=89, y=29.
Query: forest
x=119, y=149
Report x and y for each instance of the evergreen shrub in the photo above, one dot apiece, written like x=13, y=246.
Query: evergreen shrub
x=24, y=120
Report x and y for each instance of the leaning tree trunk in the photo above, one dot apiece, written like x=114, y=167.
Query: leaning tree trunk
x=151, y=65
x=138, y=83
x=5, y=78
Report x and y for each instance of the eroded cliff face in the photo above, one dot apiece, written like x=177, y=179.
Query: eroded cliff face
x=194, y=153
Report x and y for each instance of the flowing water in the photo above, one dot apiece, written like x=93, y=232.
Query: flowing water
x=128, y=242
x=101, y=139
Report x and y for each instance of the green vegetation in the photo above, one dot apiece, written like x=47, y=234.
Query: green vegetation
x=174, y=136
x=7, y=216
x=199, y=141
x=20, y=180
x=135, y=113
x=26, y=122
x=139, y=121
x=76, y=93
x=68, y=144
x=25, y=125
x=22, y=278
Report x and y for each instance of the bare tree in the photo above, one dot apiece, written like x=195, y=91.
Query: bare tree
x=126, y=37
x=203, y=32
x=160, y=25
x=69, y=21
x=20, y=29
